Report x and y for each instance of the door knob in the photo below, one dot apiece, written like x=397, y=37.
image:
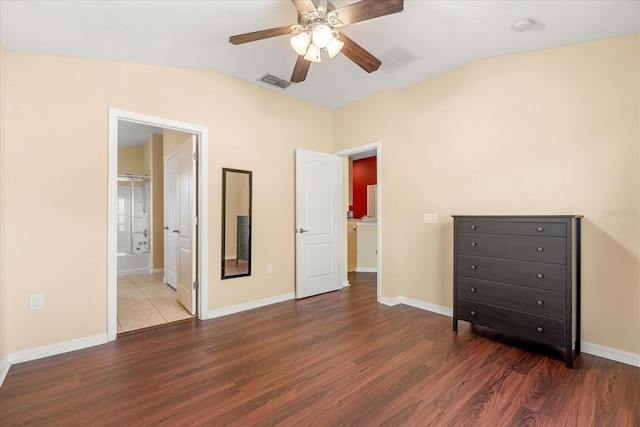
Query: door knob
x=302, y=230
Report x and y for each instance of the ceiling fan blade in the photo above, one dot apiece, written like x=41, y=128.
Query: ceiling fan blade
x=304, y=5
x=300, y=70
x=368, y=9
x=359, y=55
x=259, y=35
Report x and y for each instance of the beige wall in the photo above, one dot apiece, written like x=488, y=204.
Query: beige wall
x=157, y=173
x=154, y=167
x=3, y=282
x=131, y=161
x=555, y=131
x=73, y=164
x=172, y=140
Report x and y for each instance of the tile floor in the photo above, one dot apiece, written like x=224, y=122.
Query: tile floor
x=145, y=301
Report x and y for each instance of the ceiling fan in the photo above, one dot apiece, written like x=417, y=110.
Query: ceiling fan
x=316, y=31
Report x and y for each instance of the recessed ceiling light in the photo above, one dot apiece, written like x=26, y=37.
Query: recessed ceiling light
x=522, y=25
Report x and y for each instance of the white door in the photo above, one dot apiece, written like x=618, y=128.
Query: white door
x=187, y=223
x=180, y=202
x=171, y=225
x=318, y=222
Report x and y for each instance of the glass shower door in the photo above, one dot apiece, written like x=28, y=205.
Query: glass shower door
x=133, y=215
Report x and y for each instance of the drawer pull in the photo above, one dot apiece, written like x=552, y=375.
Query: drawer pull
x=540, y=229
x=473, y=266
x=540, y=275
x=540, y=249
x=472, y=312
x=474, y=244
x=472, y=290
x=473, y=227
x=539, y=302
x=539, y=329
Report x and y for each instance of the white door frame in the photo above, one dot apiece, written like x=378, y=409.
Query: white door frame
x=202, y=132
x=361, y=149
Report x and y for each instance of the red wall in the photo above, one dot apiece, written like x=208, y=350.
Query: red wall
x=364, y=173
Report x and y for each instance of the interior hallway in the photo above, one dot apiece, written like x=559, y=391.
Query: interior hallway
x=145, y=301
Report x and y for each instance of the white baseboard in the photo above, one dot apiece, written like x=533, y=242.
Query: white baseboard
x=346, y=284
x=439, y=309
x=249, y=305
x=367, y=269
x=610, y=353
x=585, y=347
x=49, y=350
x=134, y=272
x=57, y=348
x=4, y=368
x=389, y=301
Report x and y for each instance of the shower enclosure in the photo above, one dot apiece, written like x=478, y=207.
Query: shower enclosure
x=134, y=225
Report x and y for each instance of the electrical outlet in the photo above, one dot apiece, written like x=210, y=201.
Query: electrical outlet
x=269, y=269
x=36, y=302
x=430, y=218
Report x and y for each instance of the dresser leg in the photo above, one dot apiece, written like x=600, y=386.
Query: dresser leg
x=455, y=325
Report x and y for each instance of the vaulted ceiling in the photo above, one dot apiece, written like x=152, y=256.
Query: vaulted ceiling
x=425, y=39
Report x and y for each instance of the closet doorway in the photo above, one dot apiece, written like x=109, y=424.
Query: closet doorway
x=364, y=231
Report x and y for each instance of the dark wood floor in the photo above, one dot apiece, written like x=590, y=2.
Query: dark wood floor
x=338, y=359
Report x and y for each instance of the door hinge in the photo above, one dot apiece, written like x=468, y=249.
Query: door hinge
x=195, y=157
x=195, y=220
x=195, y=285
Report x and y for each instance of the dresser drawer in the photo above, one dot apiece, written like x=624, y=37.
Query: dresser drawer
x=526, y=248
x=549, y=229
x=519, y=298
x=551, y=277
x=523, y=325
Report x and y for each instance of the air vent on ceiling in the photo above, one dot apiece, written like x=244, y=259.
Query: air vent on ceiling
x=396, y=58
x=275, y=81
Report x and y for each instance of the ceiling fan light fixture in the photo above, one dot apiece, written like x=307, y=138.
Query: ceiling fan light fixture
x=322, y=35
x=313, y=54
x=334, y=47
x=300, y=43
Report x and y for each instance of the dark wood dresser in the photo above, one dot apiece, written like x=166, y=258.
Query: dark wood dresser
x=519, y=275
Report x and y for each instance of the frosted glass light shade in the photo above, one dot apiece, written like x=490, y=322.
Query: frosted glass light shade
x=300, y=43
x=334, y=47
x=322, y=35
x=313, y=54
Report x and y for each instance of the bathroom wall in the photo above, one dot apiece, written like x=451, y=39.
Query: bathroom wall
x=154, y=167
x=131, y=161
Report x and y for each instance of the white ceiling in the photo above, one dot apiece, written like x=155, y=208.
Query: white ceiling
x=132, y=134
x=443, y=34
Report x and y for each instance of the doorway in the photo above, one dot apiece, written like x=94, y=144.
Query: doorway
x=361, y=152
x=198, y=193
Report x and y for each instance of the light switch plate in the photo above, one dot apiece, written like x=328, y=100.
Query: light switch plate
x=430, y=218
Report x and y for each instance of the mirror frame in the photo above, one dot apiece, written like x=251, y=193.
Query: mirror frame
x=226, y=171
